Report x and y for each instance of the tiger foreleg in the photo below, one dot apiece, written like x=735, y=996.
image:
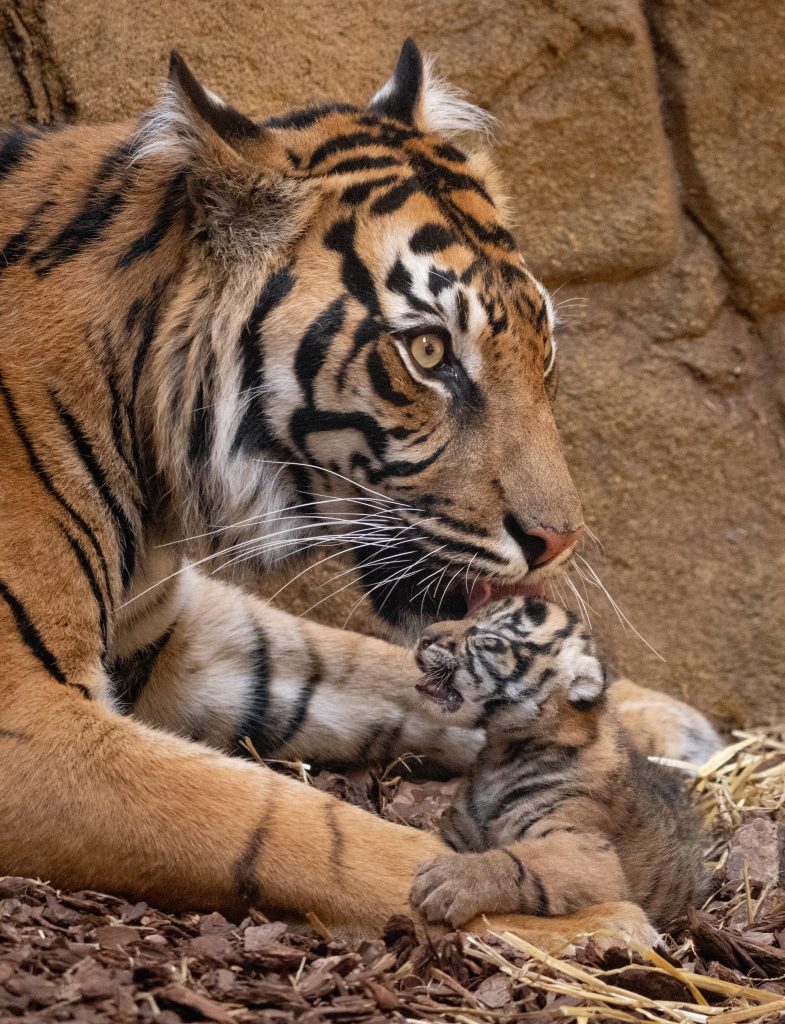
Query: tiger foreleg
x=661, y=725
x=89, y=799
x=558, y=874
x=229, y=667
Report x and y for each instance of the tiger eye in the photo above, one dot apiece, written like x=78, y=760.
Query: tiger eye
x=427, y=350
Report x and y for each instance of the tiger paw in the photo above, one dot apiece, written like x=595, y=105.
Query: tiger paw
x=456, y=887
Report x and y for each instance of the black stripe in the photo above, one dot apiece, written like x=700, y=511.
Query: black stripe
x=337, y=841
x=526, y=790
x=298, y=716
x=431, y=238
x=441, y=278
x=87, y=569
x=201, y=433
x=361, y=190
x=355, y=274
x=372, y=736
x=119, y=420
x=555, y=828
x=49, y=487
x=256, y=726
x=400, y=280
x=543, y=903
x=428, y=502
x=92, y=220
x=520, y=869
x=171, y=204
x=446, y=151
x=361, y=163
x=380, y=379
x=315, y=345
x=19, y=244
x=30, y=635
x=11, y=734
x=461, y=547
x=394, y=199
x=244, y=868
x=307, y=116
x=543, y=810
x=254, y=431
x=404, y=468
x=342, y=143
x=122, y=523
x=132, y=673
x=14, y=147
x=307, y=421
x=149, y=324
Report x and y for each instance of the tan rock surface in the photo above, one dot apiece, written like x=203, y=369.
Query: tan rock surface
x=668, y=402
x=573, y=85
x=724, y=76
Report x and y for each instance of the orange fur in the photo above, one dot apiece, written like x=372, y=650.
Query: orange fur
x=138, y=262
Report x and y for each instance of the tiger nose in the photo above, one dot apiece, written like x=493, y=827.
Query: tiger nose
x=542, y=545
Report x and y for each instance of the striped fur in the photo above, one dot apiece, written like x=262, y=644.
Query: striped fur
x=559, y=811
x=205, y=363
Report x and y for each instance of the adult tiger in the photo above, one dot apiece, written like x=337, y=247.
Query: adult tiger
x=262, y=336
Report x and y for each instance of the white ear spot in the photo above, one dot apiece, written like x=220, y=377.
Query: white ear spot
x=167, y=131
x=215, y=98
x=446, y=110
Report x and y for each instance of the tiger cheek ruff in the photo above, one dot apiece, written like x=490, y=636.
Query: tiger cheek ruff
x=225, y=343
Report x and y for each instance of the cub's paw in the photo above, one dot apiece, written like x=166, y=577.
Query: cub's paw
x=456, y=887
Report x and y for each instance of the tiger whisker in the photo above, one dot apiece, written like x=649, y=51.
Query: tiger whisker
x=403, y=575
x=331, y=472
x=582, y=605
x=259, y=544
x=266, y=515
x=595, y=580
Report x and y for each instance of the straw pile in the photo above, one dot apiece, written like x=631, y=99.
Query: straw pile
x=91, y=957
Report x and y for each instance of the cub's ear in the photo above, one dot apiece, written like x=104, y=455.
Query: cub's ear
x=588, y=683
x=237, y=171
x=416, y=96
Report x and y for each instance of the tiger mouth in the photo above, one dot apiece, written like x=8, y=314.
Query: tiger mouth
x=440, y=690
x=482, y=592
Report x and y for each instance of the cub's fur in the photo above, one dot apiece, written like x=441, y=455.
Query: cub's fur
x=559, y=811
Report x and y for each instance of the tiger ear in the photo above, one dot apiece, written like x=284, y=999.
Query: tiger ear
x=401, y=96
x=237, y=171
x=419, y=97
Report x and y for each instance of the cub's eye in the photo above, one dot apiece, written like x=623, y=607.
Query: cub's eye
x=428, y=350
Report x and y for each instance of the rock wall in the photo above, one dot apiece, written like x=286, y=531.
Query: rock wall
x=644, y=145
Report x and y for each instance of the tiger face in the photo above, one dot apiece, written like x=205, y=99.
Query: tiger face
x=389, y=384
x=508, y=666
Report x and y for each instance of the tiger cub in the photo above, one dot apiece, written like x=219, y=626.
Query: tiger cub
x=559, y=811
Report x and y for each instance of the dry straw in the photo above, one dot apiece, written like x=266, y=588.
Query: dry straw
x=747, y=776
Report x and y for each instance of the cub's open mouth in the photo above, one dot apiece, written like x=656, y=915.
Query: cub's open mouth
x=481, y=592
x=440, y=690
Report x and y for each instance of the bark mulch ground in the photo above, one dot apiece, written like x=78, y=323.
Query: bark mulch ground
x=86, y=956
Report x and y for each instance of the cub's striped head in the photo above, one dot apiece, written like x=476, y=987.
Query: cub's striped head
x=357, y=354
x=513, y=664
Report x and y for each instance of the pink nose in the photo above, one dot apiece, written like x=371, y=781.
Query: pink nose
x=551, y=543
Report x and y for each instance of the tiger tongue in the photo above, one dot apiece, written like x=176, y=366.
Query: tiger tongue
x=481, y=593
